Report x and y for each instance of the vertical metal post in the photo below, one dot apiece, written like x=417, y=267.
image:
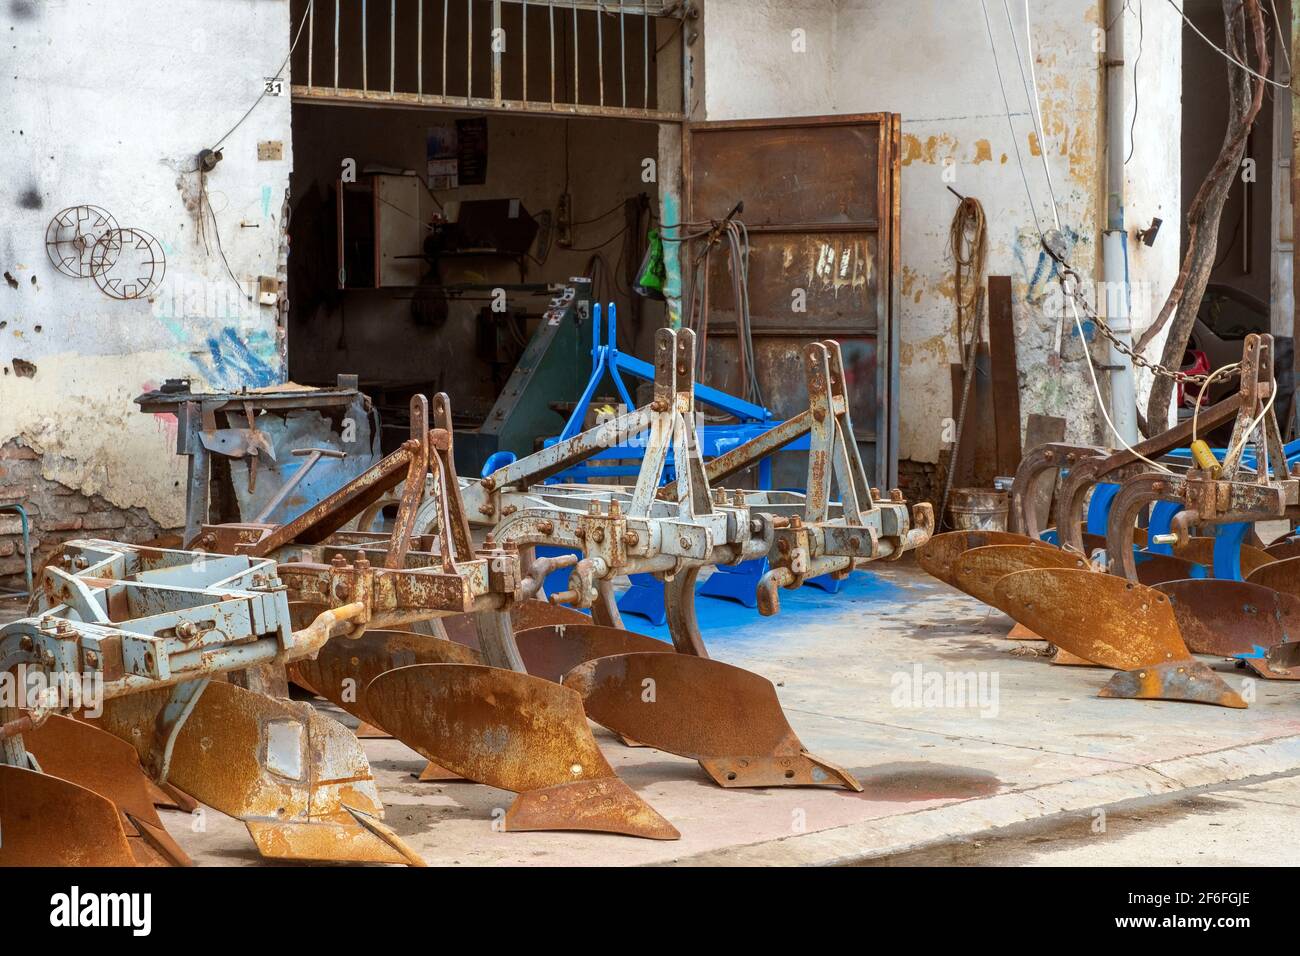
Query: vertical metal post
x=575, y=51
x=469, y=49
x=365, y=68
x=622, y=51
x=524, y=54
x=496, y=53
x=336, y=44
x=444, y=47
x=392, y=45
x=311, y=35
x=645, y=57
x=419, y=55
x=550, y=21
x=600, y=56
x=1294, y=425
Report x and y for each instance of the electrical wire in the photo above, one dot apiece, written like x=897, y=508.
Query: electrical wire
x=1225, y=54
x=1042, y=149
x=1132, y=126
x=297, y=36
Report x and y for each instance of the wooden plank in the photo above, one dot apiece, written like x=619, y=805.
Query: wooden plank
x=1006, y=379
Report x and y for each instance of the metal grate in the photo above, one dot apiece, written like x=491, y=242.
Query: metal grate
x=574, y=57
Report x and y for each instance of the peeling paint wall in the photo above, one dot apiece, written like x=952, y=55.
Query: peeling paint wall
x=109, y=104
x=930, y=61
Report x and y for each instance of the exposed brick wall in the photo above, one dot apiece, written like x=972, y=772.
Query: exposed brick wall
x=920, y=481
x=56, y=513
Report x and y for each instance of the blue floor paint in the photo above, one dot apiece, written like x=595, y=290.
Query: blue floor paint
x=726, y=622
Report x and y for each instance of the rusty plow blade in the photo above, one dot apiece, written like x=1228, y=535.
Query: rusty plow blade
x=1116, y=623
x=978, y=571
x=939, y=554
x=727, y=718
x=553, y=651
x=517, y=732
x=345, y=667
x=1235, y=619
x=296, y=778
x=91, y=758
x=51, y=822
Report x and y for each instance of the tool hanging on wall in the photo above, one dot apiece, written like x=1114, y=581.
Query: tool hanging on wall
x=737, y=237
x=968, y=245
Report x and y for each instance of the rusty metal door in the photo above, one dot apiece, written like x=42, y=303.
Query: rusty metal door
x=821, y=197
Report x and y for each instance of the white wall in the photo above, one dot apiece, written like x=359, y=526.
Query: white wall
x=108, y=102
x=930, y=61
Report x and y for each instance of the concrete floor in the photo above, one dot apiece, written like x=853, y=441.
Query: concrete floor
x=1042, y=750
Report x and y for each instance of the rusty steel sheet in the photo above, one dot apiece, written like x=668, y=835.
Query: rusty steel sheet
x=345, y=666
x=938, y=554
x=292, y=775
x=1283, y=575
x=1191, y=681
x=1200, y=550
x=1280, y=550
x=92, y=758
x=1231, y=618
x=978, y=571
x=551, y=652
x=517, y=732
x=1099, y=617
x=727, y=718
x=51, y=822
x=1281, y=662
x=1156, y=569
x=529, y=614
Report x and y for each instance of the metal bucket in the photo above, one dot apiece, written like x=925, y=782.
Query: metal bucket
x=978, y=509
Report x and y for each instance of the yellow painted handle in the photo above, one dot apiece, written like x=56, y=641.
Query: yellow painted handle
x=1204, y=458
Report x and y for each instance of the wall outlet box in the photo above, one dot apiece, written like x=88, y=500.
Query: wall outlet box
x=268, y=290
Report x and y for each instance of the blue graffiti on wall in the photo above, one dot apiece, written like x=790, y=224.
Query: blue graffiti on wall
x=232, y=362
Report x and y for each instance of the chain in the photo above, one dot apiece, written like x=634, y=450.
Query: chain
x=1067, y=271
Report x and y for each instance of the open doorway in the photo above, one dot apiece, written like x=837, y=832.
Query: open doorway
x=456, y=167
x=1250, y=287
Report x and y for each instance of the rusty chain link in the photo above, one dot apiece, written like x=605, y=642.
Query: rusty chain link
x=1067, y=271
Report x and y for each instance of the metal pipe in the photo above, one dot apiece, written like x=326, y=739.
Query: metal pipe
x=1123, y=395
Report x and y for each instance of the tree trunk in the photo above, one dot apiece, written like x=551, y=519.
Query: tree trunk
x=1245, y=97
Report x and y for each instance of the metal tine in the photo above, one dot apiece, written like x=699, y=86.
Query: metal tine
x=455, y=515
x=844, y=418
x=693, y=484
x=413, y=490
x=821, y=437
x=663, y=425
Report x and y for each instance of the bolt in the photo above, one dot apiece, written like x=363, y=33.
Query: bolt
x=490, y=541
x=545, y=527
x=598, y=535
x=614, y=510
x=92, y=659
x=339, y=562
x=631, y=538
x=486, y=508
x=363, y=563
x=896, y=494
x=488, y=483
x=580, y=534
x=684, y=541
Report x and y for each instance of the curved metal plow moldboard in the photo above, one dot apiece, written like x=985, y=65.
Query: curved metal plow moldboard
x=96, y=760
x=938, y=554
x=1115, y=623
x=51, y=822
x=727, y=718
x=517, y=732
x=296, y=778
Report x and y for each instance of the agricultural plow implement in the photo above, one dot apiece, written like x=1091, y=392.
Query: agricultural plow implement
x=437, y=632
x=1146, y=601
